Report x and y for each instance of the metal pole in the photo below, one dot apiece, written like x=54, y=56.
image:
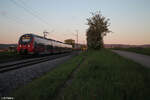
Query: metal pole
x=77, y=37
x=45, y=33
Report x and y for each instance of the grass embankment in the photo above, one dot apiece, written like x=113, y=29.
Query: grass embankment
x=107, y=76
x=46, y=86
x=145, y=51
x=103, y=75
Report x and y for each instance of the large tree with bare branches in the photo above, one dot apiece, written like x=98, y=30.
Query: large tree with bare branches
x=98, y=28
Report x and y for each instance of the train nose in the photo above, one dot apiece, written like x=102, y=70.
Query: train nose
x=23, y=51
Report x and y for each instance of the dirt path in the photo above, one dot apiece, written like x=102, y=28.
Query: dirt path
x=139, y=58
x=68, y=82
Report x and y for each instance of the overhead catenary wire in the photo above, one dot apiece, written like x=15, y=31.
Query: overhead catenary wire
x=12, y=19
x=35, y=12
x=29, y=10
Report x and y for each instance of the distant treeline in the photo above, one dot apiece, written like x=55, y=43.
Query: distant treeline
x=6, y=46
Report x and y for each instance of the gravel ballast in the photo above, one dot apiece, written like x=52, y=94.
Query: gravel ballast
x=11, y=80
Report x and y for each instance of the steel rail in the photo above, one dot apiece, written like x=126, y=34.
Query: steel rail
x=25, y=63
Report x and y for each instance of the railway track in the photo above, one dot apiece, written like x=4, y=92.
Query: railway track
x=25, y=63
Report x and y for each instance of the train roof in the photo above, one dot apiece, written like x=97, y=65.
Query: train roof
x=44, y=38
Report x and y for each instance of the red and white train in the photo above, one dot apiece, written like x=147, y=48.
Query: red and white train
x=34, y=44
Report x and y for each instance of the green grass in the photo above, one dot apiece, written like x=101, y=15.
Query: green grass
x=103, y=75
x=108, y=76
x=145, y=51
x=46, y=86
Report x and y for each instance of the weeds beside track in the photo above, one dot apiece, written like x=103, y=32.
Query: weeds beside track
x=103, y=75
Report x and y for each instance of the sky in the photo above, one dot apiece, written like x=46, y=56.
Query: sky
x=130, y=19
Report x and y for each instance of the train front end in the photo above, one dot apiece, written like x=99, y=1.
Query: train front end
x=26, y=44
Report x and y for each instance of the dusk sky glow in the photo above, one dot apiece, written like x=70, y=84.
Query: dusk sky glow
x=130, y=19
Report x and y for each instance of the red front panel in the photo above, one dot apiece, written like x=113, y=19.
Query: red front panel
x=29, y=47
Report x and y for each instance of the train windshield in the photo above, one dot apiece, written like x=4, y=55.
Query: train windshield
x=25, y=39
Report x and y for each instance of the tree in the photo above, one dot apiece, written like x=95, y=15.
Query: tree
x=98, y=28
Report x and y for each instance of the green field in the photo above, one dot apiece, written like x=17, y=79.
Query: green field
x=102, y=75
x=4, y=56
x=145, y=51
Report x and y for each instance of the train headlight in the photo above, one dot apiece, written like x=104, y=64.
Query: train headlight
x=28, y=45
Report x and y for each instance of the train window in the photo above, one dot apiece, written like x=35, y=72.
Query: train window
x=25, y=39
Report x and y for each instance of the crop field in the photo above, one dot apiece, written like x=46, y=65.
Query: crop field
x=145, y=51
x=102, y=75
